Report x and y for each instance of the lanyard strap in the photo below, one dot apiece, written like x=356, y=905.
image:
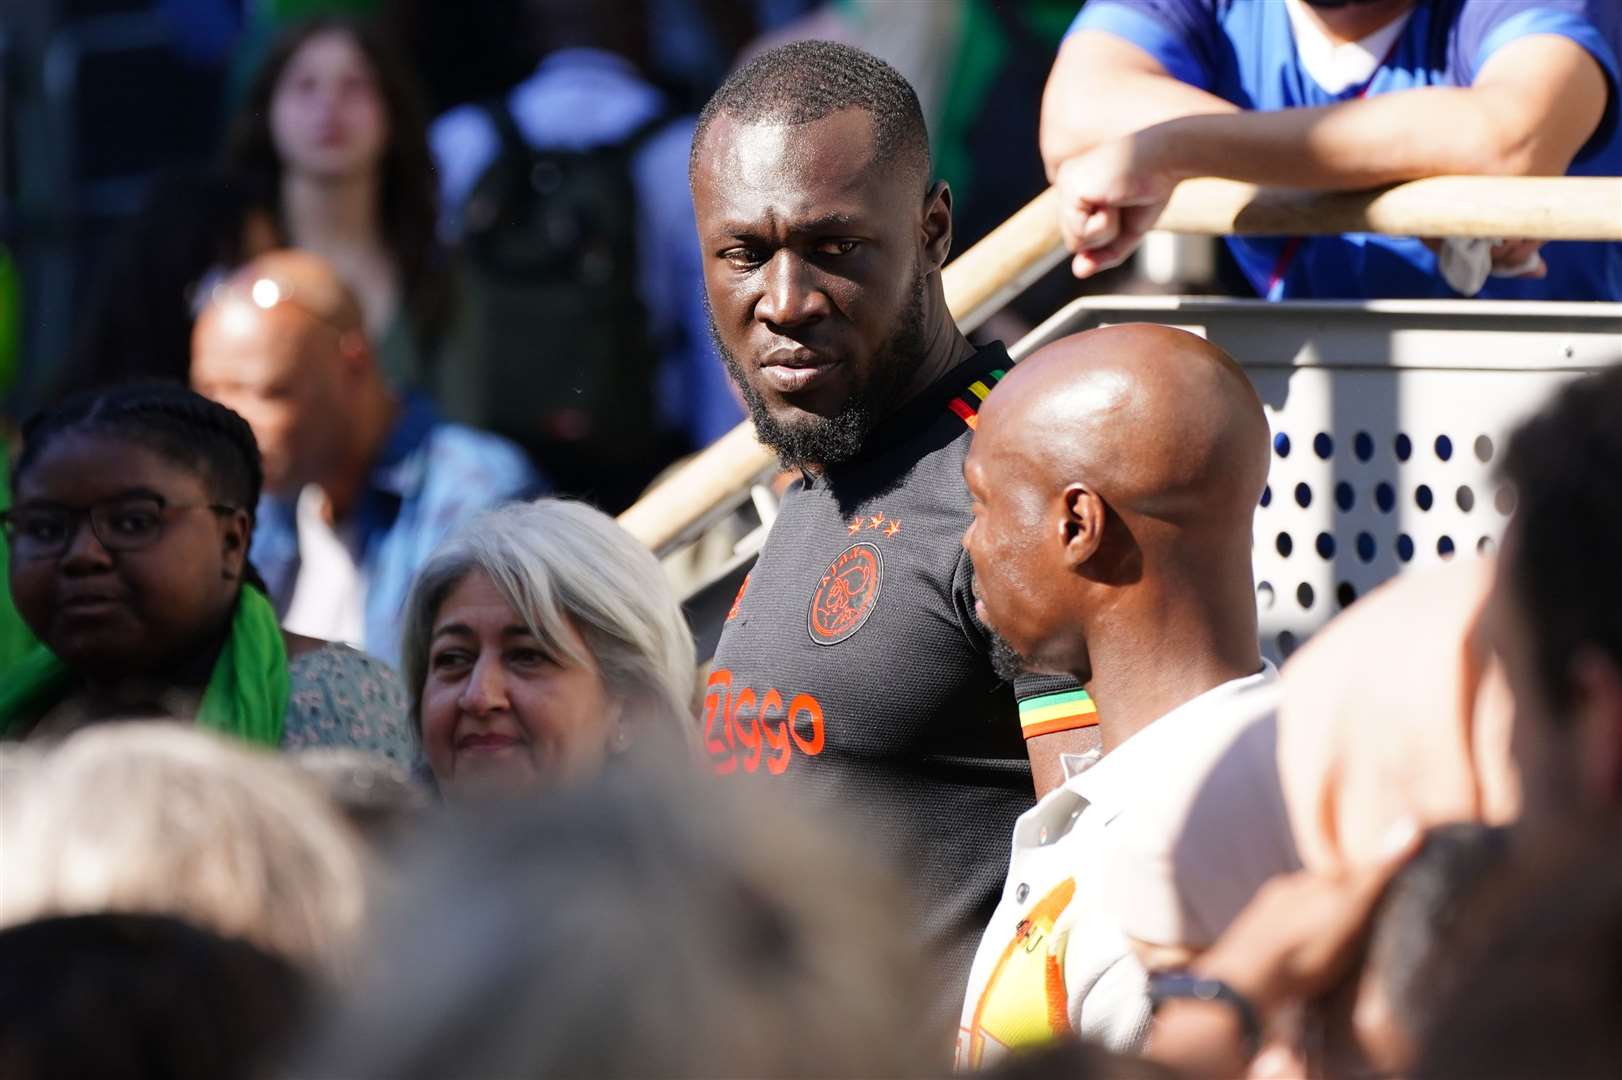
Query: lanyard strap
x=1292, y=246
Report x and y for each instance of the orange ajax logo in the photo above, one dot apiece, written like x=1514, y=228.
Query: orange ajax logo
x=846, y=595
x=746, y=730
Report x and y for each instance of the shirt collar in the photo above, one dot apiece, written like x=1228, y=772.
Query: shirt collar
x=399, y=468
x=922, y=411
x=1338, y=67
x=1118, y=777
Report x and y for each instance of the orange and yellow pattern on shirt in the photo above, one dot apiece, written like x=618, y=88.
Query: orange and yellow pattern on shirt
x=1024, y=1002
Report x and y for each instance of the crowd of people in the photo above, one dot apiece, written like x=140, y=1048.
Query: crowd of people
x=343, y=732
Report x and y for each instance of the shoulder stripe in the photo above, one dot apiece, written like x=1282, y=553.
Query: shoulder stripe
x=1060, y=697
x=1063, y=711
x=965, y=411
x=967, y=404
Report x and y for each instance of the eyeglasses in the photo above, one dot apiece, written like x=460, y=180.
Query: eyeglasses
x=125, y=523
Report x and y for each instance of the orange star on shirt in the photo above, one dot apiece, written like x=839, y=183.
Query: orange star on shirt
x=854, y=527
x=876, y=520
x=892, y=528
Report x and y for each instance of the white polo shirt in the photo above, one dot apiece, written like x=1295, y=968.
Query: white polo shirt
x=1055, y=957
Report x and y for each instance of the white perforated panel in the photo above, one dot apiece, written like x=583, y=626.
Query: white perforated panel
x=1374, y=471
x=1387, y=421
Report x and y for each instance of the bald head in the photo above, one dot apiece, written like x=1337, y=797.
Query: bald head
x=1115, y=474
x=289, y=286
x=1159, y=422
x=282, y=342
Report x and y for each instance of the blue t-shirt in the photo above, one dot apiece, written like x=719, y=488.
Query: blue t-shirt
x=1244, y=51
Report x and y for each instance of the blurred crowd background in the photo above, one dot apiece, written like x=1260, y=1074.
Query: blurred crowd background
x=127, y=143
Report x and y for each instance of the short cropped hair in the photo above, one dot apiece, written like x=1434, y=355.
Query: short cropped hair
x=558, y=562
x=1566, y=574
x=166, y=819
x=806, y=81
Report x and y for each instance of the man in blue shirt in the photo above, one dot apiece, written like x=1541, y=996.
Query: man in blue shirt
x=360, y=484
x=1335, y=95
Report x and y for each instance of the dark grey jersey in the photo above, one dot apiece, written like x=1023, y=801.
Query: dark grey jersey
x=852, y=667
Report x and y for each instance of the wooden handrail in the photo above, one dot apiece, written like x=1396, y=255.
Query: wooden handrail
x=1027, y=245
x=1523, y=207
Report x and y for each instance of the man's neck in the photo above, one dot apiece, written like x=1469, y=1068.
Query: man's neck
x=322, y=213
x=1355, y=22
x=945, y=347
x=1142, y=670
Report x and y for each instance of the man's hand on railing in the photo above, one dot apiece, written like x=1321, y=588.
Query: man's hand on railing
x=1109, y=197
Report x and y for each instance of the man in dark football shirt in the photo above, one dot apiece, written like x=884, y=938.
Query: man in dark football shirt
x=851, y=665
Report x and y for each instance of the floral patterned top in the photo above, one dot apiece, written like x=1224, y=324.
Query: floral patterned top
x=341, y=697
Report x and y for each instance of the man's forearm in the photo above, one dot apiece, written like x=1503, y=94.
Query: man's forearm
x=1102, y=88
x=1436, y=131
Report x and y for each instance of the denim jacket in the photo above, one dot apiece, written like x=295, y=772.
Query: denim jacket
x=430, y=476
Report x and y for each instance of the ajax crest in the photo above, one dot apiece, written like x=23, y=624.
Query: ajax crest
x=846, y=595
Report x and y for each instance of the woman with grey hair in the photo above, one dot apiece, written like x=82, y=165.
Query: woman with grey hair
x=540, y=640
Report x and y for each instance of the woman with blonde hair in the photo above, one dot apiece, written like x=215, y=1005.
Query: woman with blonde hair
x=165, y=819
x=540, y=641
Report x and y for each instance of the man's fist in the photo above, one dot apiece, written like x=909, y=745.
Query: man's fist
x=1109, y=197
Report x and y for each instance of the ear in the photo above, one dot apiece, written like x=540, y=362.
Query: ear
x=1598, y=685
x=937, y=226
x=235, y=534
x=1081, y=526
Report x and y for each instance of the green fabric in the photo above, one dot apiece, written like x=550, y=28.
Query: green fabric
x=248, y=691
x=33, y=683
x=282, y=12
x=246, y=695
x=982, y=52
x=15, y=638
x=11, y=320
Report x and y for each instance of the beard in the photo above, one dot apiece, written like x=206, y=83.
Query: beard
x=1006, y=663
x=828, y=440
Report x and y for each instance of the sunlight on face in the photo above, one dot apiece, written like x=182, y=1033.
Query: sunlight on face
x=499, y=712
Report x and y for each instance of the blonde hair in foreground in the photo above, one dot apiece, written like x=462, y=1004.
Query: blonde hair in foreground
x=556, y=562
x=158, y=818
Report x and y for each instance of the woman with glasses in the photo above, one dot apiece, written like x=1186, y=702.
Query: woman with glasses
x=128, y=537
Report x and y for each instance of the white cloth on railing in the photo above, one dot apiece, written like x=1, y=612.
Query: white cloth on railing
x=1466, y=263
